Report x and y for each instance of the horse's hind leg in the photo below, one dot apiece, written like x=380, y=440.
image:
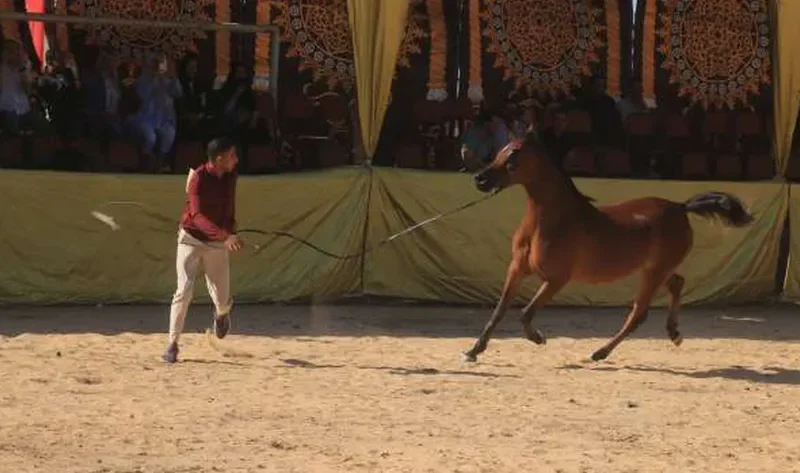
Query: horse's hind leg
x=513, y=278
x=674, y=286
x=546, y=291
x=650, y=284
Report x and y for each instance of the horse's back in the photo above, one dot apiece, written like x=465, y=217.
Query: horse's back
x=644, y=211
x=630, y=235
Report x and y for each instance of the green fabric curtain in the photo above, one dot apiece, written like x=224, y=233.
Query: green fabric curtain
x=463, y=258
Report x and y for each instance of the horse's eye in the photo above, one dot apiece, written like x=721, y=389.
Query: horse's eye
x=511, y=162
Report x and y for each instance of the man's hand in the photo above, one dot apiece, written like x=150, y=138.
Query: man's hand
x=234, y=243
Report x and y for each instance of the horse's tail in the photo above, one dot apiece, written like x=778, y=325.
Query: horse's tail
x=719, y=205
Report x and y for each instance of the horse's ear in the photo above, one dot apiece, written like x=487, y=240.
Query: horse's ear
x=515, y=145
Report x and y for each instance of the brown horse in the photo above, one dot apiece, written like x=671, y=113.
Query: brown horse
x=564, y=237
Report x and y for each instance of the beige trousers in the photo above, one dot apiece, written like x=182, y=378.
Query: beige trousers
x=194, y=256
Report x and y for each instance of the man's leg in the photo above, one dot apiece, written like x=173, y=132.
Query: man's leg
x=166, y=138
x=217, y=269
x=188, y=264
x=145, y=137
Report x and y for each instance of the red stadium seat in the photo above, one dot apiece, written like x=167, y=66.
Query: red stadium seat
x=122, y=156
x=729, y=166
x=694, y=165
x=188, y=154
x=640, y=124
x=581, y=162
x=759, y=166
x=261, y=159
x=409, y=156
x=616, y=163
x=95, y=153
x=12, y=152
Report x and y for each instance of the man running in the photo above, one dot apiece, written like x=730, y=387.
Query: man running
x=207, y=233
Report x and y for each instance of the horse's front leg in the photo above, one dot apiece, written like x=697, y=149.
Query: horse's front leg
x=547, y=290
x=513, y=278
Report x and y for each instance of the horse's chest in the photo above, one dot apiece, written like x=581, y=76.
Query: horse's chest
x=544, y=256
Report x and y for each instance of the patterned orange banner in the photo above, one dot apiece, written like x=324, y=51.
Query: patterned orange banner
x=223, y=43
x=263, y=54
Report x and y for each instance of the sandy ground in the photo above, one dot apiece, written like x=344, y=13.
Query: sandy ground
x=377, y=389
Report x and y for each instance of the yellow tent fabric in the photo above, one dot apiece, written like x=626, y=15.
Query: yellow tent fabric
x=52, y=251
x=463, y=258
x=786, y=72
x=378, y=28
x=792, y=284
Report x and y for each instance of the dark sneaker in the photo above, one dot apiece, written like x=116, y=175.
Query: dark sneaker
x=171, y=355
x=222, y=323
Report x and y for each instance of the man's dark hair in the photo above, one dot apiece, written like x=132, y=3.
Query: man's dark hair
x=217, y=146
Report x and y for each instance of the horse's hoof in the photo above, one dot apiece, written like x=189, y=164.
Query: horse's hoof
x=599, y=355
x=677, y=339
x=537, y=337
x=470, y=358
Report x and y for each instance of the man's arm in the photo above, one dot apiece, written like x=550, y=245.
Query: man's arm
x=205, y=225
x=232, y=205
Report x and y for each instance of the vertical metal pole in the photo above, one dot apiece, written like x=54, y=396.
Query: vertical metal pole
x=275, y=60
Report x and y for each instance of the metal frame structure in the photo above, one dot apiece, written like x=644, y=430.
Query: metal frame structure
x=202, y=25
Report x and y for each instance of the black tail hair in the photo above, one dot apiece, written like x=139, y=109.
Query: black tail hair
x=719, y=205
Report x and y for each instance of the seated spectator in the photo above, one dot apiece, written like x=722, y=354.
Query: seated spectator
x=129, y=102
x=477, y=145
x=192, y=105
x=17, y=113
x=632, y=101
x=501, y=135
x=60, y=89
x=235, y=106
x=154, y=125
x=525, y=123
x=606, y=120
x=103, y=95
x=556, y=139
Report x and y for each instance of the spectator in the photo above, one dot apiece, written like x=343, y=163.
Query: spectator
x=525, y=123
x=501, y=135
x=60, y=89
x=16, y=78
x=606, y=121
x=154, y=125
x=556, y=139
x=235, y=108
x=192, y=105
x=477, y=145
x=103, y=96
x=129, y=103
x=631, y=101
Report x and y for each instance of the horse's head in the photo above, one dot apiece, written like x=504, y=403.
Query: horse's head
x=515, y=163
x=527, y=162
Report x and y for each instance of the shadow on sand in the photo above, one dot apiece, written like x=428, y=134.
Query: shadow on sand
x=767, y=375
x=296, y=363
x=312, y=322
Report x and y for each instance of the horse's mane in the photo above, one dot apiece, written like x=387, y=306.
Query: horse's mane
x=532, y=143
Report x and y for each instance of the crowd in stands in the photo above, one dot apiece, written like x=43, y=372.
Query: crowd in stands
x=149, y=110
x=596, y=135
x=138, y=108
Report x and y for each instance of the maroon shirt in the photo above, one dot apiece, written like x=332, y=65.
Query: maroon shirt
x=210, y=211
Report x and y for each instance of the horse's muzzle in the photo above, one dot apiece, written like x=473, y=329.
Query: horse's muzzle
x=484, y=182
